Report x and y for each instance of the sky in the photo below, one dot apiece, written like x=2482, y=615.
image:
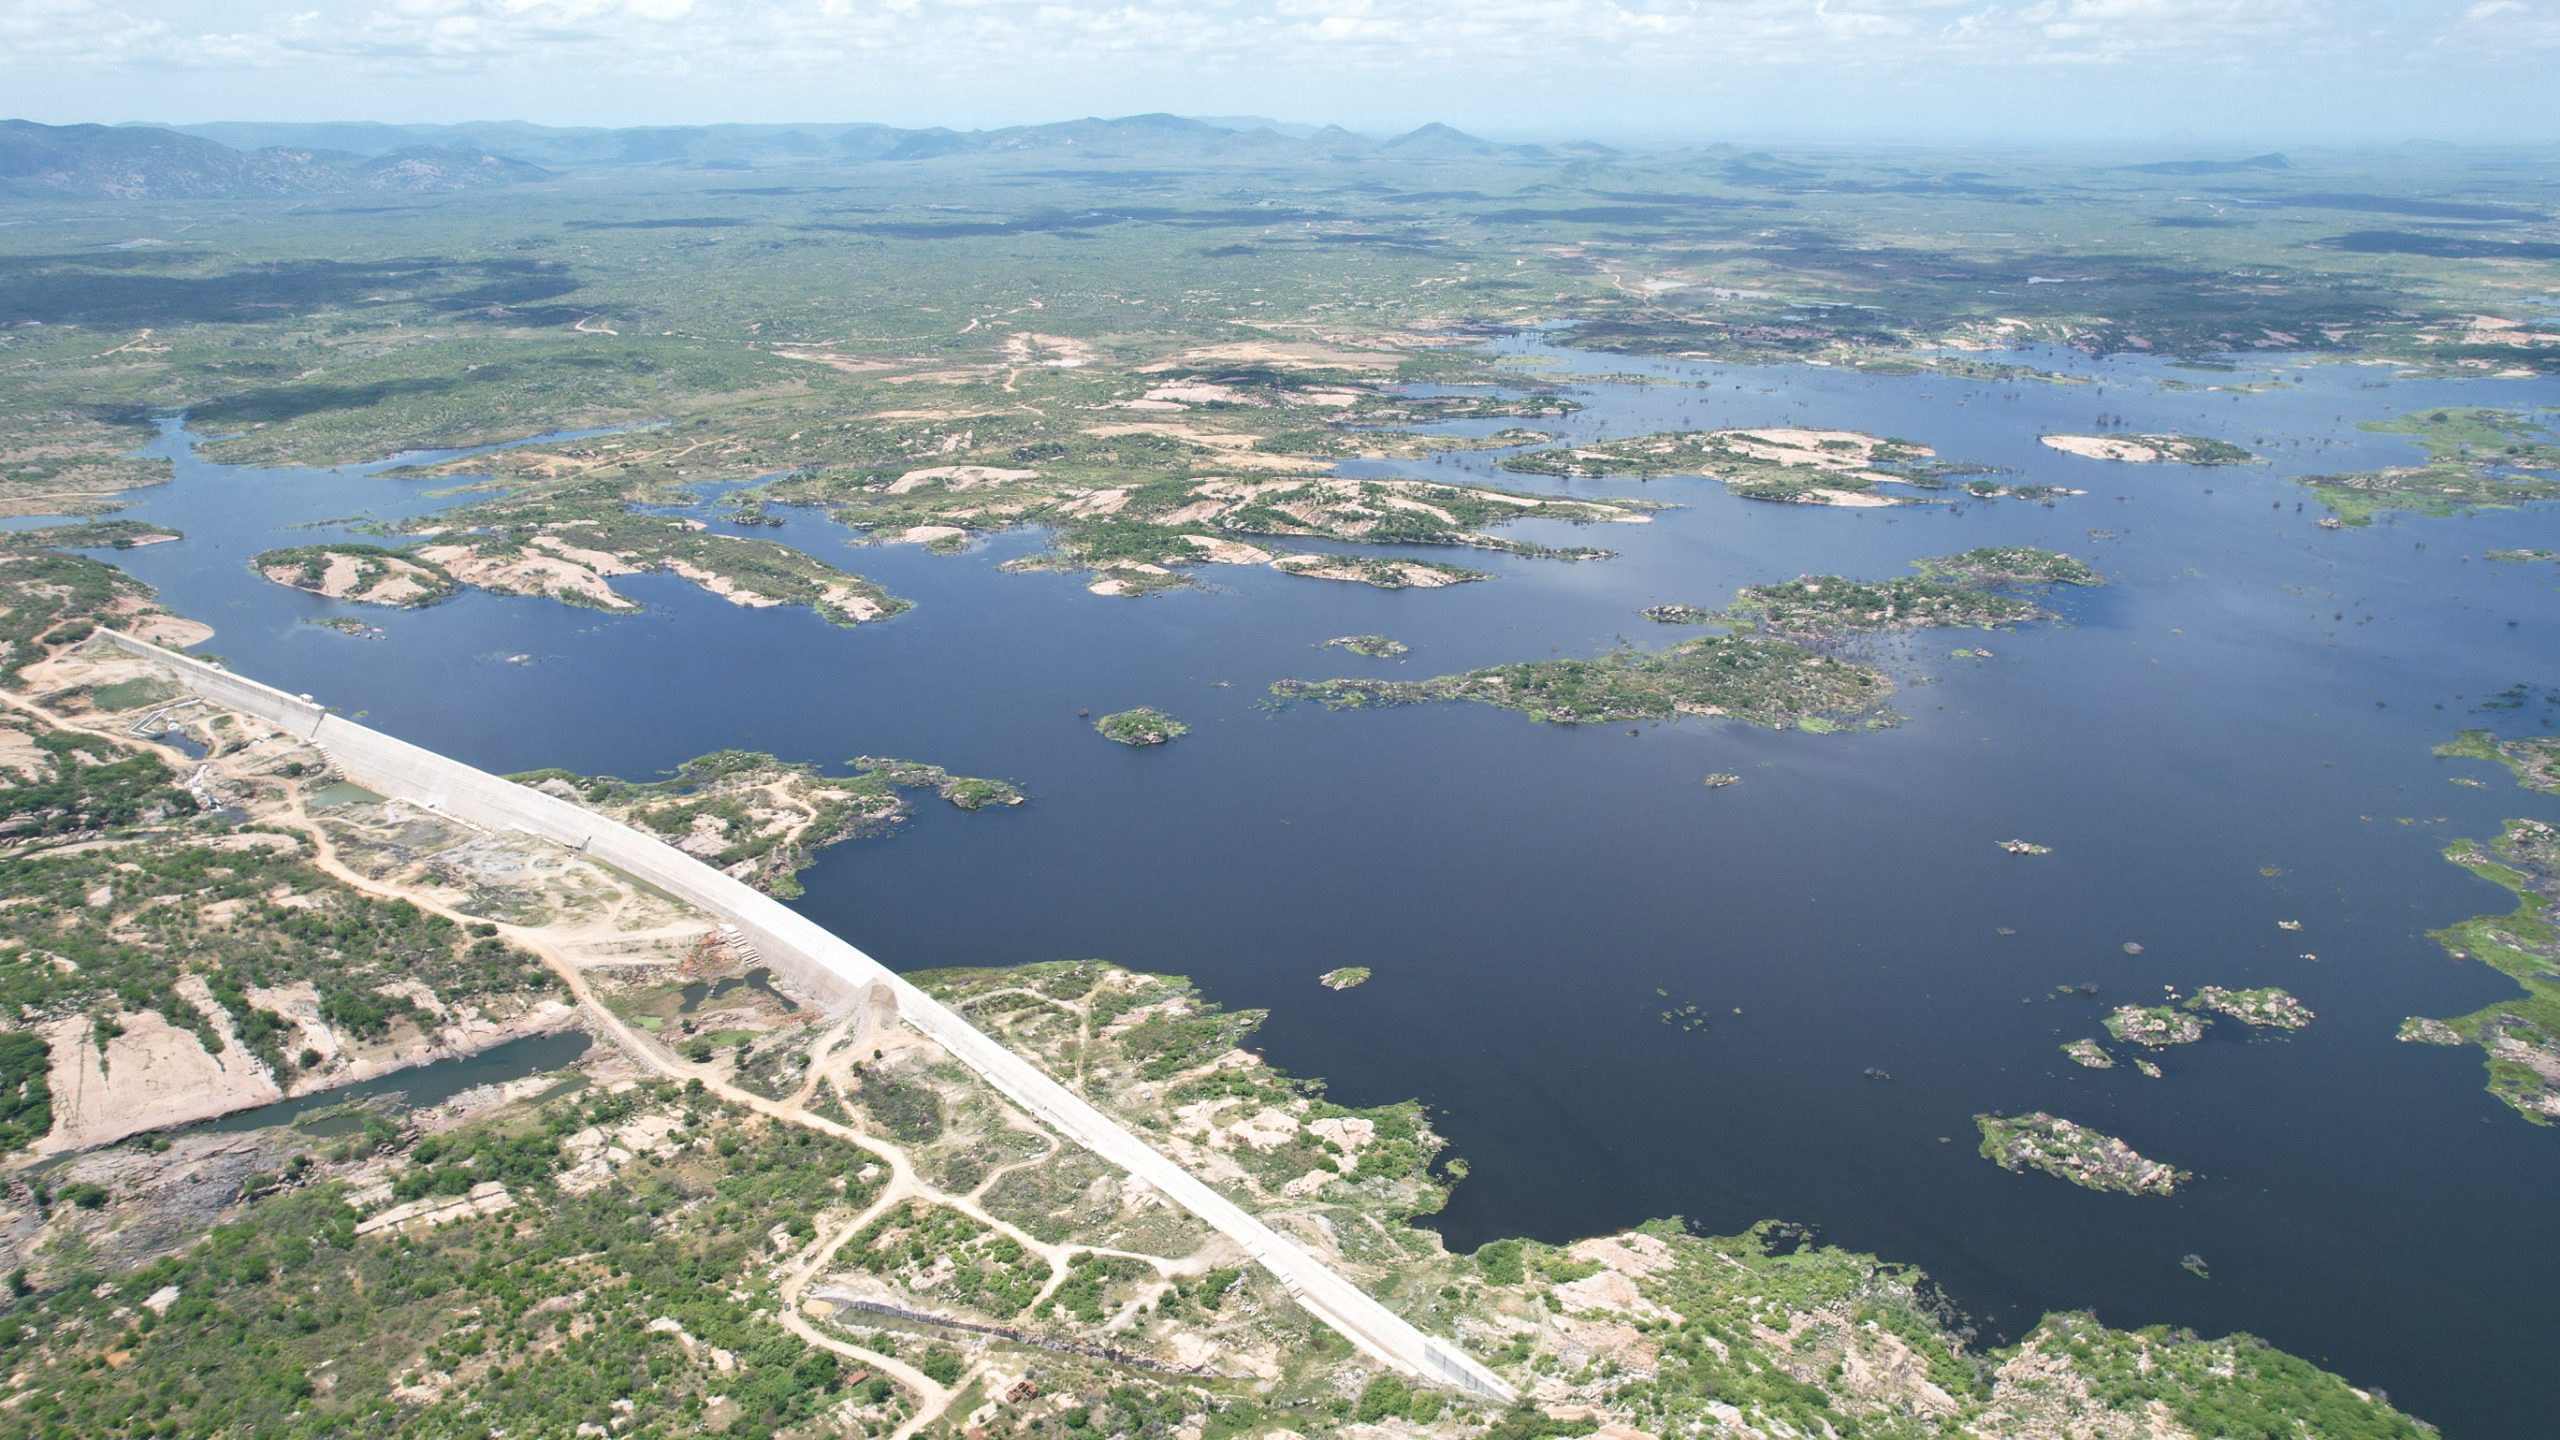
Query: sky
x=2235, y=71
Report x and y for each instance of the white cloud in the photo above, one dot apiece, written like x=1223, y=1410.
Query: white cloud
x=2509, y=23
x=1505, y=34
x=972, y=56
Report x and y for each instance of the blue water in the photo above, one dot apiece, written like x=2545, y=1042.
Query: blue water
x=418, y=1087
x=2248, y=691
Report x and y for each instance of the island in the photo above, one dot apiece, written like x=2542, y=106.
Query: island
x=2066, y=1151
x=2520, y=1036
x=2266, y=1007
x=1765, y=681
x=366, y=574
x=2534, y=760
x=1787, y=465
x=2476, y=458
x=1145, y=725
x=1140, y=505
x=1771, y=677
x=510, y=549
x=1374, y=647
x=1383, y=572
x=2158, y=1027
x=761, y=819
x=2154, y=1027
x=1680, y=615
x=2150, y=449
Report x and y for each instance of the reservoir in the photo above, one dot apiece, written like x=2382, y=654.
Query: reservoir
x=2233, y=733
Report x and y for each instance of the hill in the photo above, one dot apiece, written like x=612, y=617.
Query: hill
x=1152, y=138
x=2269, y=161
x=135, y=162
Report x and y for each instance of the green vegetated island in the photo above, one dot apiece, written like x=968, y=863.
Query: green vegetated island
x=761, y=819
x=2476, y=459
x=2183, y=1022
x=2150, y=449
x=2521, y=1037
x=1135, y=533
x=1143, y=726
x=568, y=548
x=366, y=574
x=1136, y=540
x=1785, y=465
x=1373, y=647
x=1760, y=670
x=2075, y=1153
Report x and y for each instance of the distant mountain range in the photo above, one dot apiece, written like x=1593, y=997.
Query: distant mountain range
x=249, y=158
x=137, y=162
x=1131, y=137
x=244, y=159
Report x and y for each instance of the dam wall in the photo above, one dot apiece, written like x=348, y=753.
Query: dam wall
x=825, y=968
x=836, y=974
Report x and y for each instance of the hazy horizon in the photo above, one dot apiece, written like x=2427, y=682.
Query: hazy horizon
x=2221, y=72
x=2170, y=144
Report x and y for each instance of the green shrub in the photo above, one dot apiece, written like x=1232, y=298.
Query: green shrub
x=1383, y=1398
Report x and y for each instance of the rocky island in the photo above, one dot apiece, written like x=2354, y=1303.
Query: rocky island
x=1143, y=726
x=2266, y=1007
x=2075, y=1153
x=1373, y=647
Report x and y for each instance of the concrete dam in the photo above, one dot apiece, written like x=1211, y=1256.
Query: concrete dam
x=837, y=975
